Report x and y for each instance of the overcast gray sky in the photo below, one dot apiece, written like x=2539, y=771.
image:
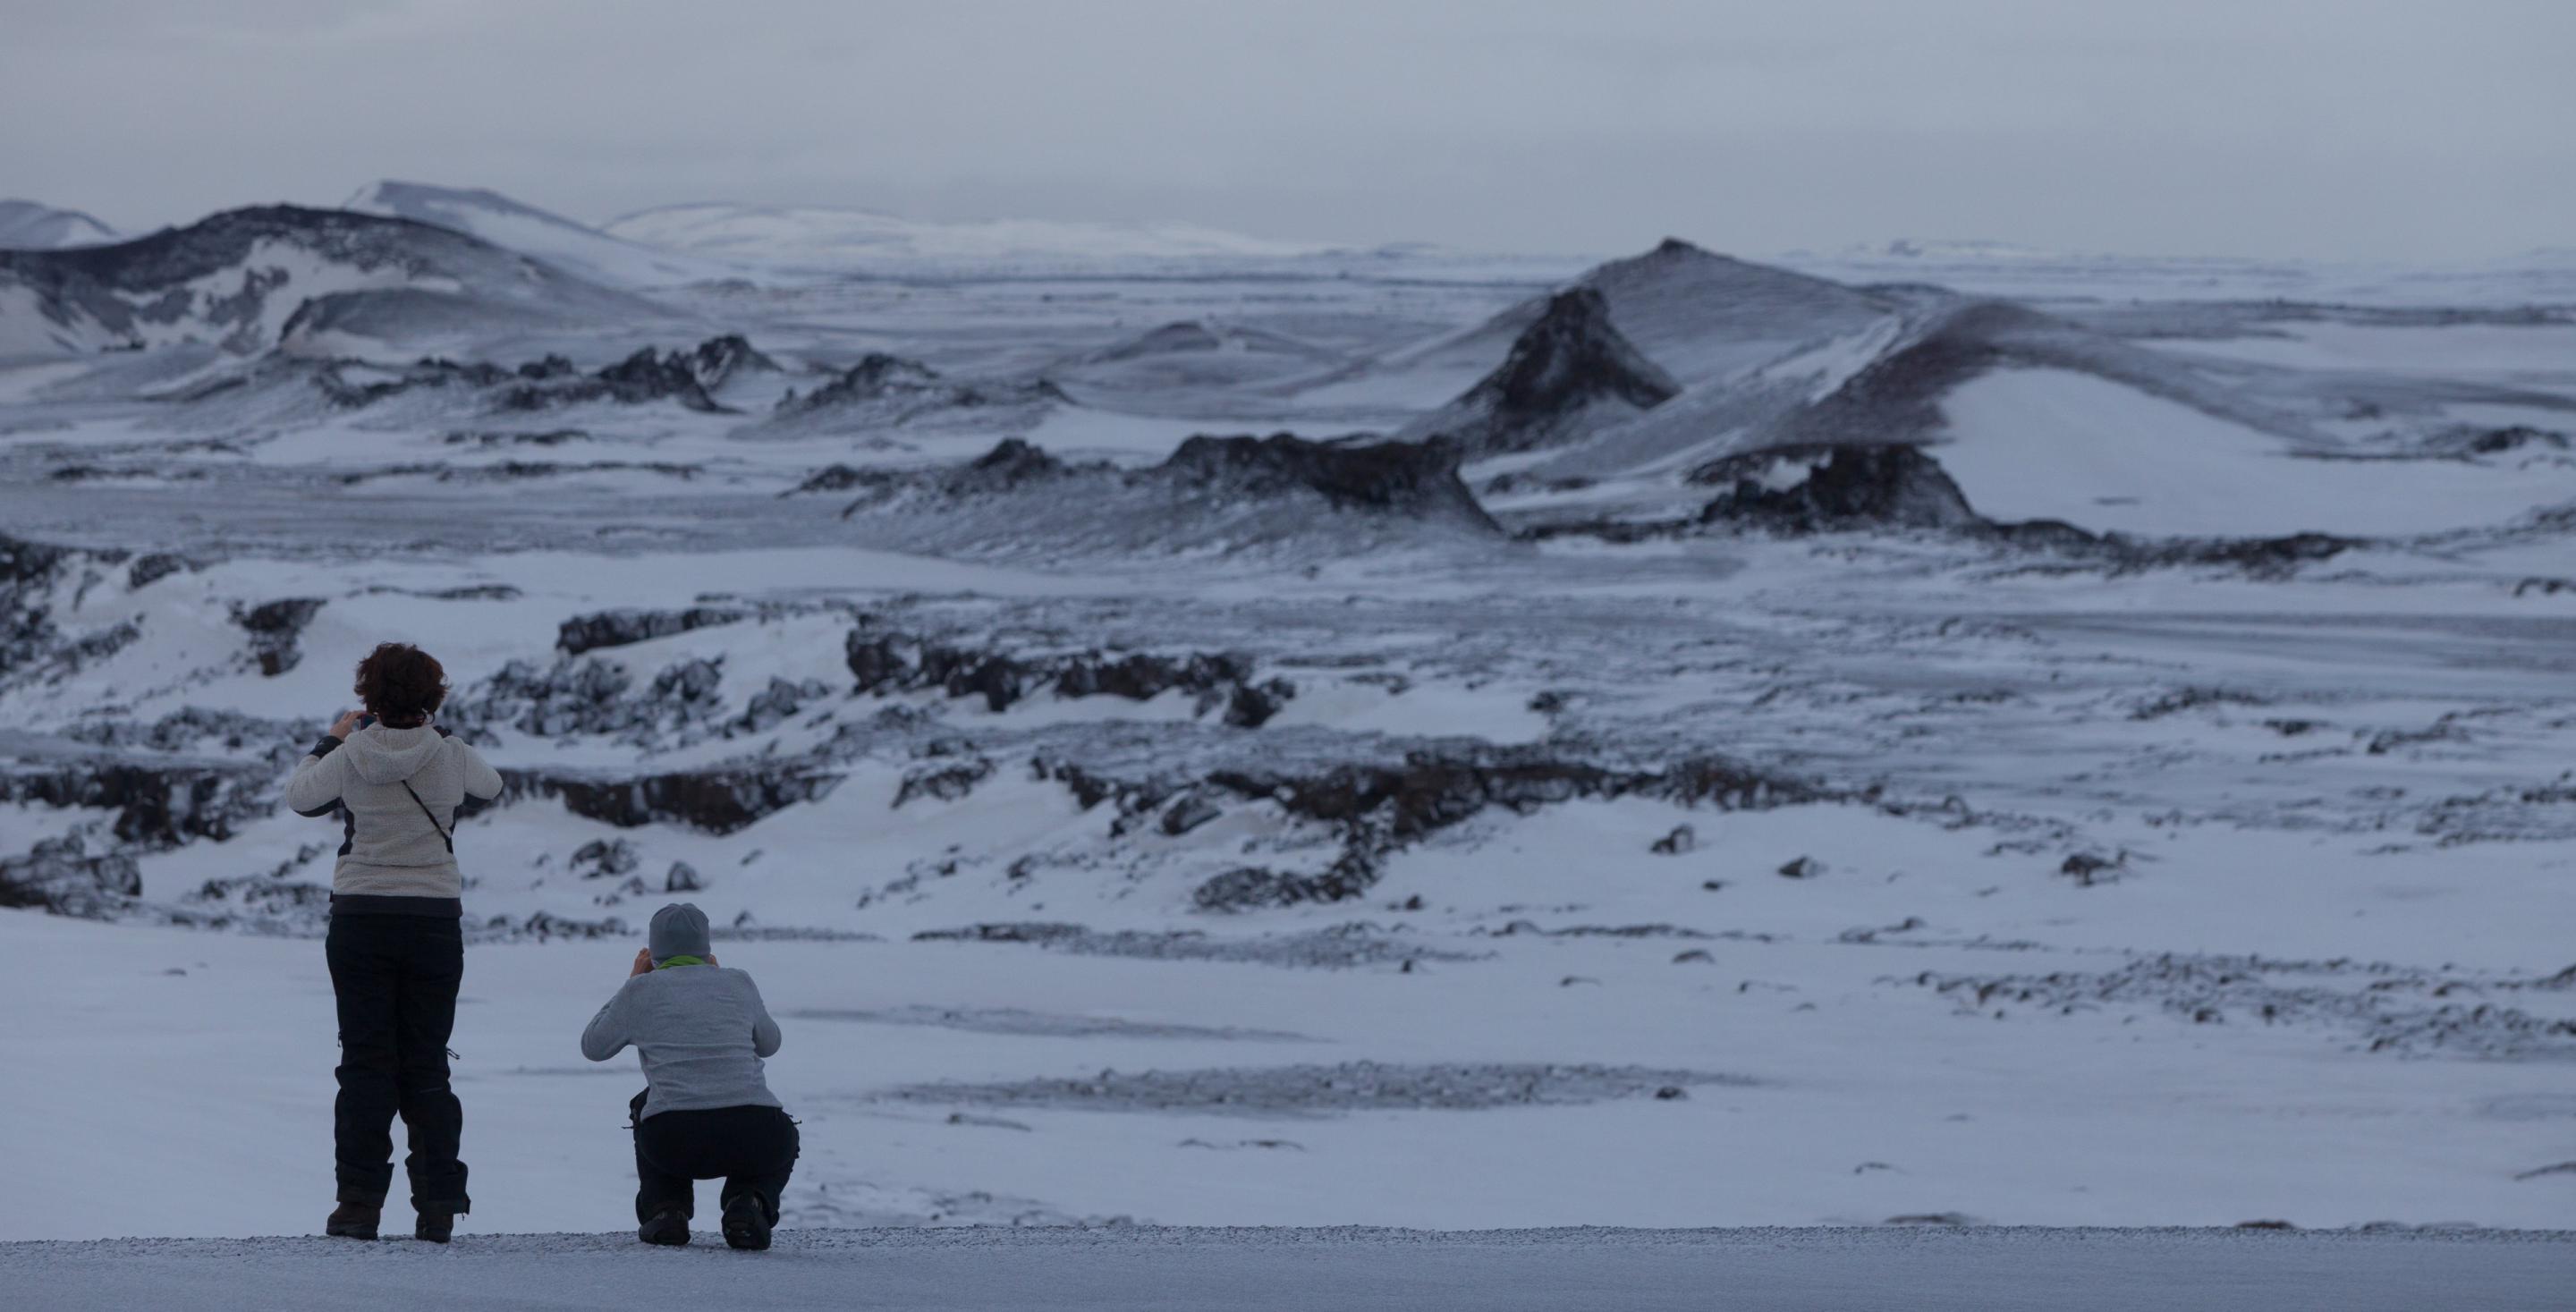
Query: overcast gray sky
x=2420, y=129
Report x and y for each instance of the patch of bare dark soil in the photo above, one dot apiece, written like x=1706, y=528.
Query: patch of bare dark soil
x=1044, y=1024
x=1303, y=1091
x=2403, y=1010
x=1337, y=947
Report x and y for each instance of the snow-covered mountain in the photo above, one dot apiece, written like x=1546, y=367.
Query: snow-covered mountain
x=26, y=225
x=512, y=225
x=2022, y=414
x=819, y=236
x=317, y=280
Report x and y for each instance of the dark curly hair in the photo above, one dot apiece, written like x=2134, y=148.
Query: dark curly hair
x=401, y=685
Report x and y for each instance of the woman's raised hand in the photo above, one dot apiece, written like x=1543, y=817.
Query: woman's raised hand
x=643, y=963
x=344, y=726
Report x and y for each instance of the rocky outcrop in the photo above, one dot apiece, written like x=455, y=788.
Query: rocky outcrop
x=158, y=804
x=592, y=696
x=1231, y=494
x=779, y=702
x=885, y=661
x=1568, y=373
x=1845, y=487
x=618, y=628
x=1418, y=479
x=690, y=377
x=905, y=388
x=1380, y=808
x=276, y=628
x=63, y=876
x=718, y=799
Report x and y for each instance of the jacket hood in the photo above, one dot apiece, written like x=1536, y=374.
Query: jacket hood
x=388, y=756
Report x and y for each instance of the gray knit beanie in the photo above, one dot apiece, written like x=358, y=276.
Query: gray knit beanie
x=679, y=930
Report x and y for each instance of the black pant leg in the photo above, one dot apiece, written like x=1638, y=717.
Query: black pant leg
x=433, y=969
x=364, y=981
x=662, y=1166
x=761, y=1151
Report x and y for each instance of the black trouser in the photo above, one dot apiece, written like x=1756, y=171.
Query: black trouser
x=751, y=1149
x=395, y=978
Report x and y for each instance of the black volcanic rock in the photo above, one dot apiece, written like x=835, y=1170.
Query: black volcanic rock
x=1233, y=492
x=689, y=377
x=31, y=575
x=158, y=804
x=1383, y=807
x=885, y=661
x=275, y=630
x=1853, y=487
x=1561, y=368
x=910, y=387
x=1410, y=477
x=719, y=799
x=618, y=628
x=1013, y=462
x=62, y=876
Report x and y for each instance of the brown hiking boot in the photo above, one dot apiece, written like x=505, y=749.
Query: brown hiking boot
x=354, y=1221
x=435, y=1225
x=668, y=1227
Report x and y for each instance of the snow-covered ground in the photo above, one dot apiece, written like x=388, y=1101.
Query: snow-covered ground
x=1128, y=823
x=1339, y=1269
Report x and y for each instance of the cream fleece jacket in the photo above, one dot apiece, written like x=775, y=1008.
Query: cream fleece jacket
x=391, y=848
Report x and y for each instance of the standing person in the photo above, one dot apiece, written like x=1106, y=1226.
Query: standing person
x=396, y=946
x=706, y=1112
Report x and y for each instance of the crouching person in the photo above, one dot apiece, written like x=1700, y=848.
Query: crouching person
x=707, y=1113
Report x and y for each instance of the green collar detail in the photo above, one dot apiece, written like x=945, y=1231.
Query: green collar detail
x=668, y=962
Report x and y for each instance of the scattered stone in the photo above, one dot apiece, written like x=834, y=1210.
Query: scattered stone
x=150, y=568
x=1805, y=867
x=1695, y=954
x=605, y=858
x=1935, y=1218
x=1865, y=935
x=2088, y=868
x=2394, y=1009
x=683, y=878
x=989, y=1122
x=946, y=783
x=2265, y=1225
x=2557, y=1168
x=1189, y=813
x=1682, y=839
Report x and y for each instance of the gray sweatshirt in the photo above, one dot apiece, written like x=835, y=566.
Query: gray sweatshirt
x=390, y=848
x=701, y=1031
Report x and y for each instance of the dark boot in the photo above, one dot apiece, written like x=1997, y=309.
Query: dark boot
x=668, y=1226
x=746, y=1223
x=435, y=1225
x=354, y=1221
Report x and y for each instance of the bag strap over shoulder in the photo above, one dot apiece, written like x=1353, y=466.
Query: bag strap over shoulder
x=443, y=835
